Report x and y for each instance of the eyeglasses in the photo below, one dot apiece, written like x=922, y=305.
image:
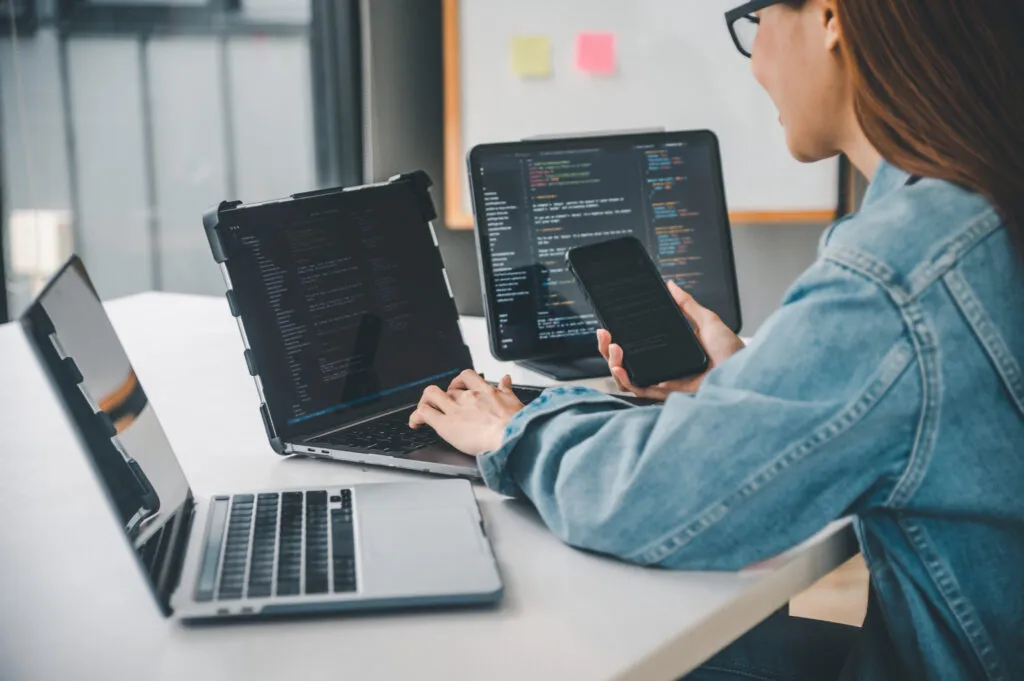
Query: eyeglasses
x=743, y=23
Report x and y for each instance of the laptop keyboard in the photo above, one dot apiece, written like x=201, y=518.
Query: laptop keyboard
x=392, y=435
x=278, y=544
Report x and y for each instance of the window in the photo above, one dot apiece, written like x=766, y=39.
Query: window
x=123, y=121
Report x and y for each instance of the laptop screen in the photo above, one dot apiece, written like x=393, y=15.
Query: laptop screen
x=344, y=304
x=124, y=440
x=536, y=200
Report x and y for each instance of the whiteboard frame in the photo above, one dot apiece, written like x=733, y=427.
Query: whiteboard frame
x=454, y=156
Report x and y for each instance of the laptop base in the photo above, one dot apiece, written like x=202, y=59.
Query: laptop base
x=568, y=368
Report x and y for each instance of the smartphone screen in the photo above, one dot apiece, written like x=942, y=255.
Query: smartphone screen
x=631, y=301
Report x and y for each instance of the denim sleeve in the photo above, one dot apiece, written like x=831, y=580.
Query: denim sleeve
x=810, y=422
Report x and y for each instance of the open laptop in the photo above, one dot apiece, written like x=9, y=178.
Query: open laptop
x=259, y=553
x=346, y=316
x=537, y=199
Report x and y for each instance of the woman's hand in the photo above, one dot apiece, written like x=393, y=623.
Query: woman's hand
x=718, y=340
x=471, y=415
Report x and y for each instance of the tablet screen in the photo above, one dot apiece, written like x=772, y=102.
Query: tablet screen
x=534, y=201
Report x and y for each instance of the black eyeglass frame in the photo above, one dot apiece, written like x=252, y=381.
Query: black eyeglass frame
x=743, y=12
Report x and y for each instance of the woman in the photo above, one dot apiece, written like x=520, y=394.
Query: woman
x=889, y=386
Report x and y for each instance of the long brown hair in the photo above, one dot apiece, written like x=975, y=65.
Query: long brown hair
x=939, y=91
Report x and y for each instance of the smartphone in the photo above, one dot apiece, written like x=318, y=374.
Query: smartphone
x=629, y=297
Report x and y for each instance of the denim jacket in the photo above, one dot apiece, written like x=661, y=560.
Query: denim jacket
x=888, y=386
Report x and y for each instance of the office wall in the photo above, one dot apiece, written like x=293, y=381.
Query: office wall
x=402, y=39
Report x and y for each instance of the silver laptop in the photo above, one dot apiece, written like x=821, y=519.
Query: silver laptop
x=346, y=316
x=258, y=553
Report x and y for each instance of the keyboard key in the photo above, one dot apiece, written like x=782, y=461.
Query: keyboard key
x=343, y=559
x=289, y=567
x=316, y=542
x=288, y=588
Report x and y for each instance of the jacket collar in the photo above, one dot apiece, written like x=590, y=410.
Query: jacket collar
x=888, y=178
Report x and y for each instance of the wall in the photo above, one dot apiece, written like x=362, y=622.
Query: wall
x=403, y=117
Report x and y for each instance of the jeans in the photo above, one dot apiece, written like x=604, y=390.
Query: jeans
x=783, y=648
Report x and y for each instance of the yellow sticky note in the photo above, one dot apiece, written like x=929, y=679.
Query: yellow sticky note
x=531, y=56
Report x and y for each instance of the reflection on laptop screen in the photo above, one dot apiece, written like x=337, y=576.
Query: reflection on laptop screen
x=127, y=446
x=344, y=304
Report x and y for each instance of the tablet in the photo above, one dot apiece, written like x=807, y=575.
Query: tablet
x=535, y=200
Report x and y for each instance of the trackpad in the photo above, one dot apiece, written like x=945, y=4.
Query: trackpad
x=424, y=548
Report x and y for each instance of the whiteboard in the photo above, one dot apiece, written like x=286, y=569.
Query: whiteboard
x=677, y=69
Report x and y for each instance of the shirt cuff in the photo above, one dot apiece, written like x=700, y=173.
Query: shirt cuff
x=494, y=464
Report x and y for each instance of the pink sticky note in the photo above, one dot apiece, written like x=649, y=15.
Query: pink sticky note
x=595, y=53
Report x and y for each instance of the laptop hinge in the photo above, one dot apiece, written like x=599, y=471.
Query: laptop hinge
x=268, y=425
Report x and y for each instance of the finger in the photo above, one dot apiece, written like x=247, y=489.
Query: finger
x=652, y=393
x=469, y=380
x=423, y=417
x=434, y=397
x=505, y=394
x=622, y=377
x=615, y=355
x=697, y=313
x=615, y=361
x=678, y=294
x=619, y=373
x=685, y=385
x=463, y=396
x=687, y=304
x=604, y=339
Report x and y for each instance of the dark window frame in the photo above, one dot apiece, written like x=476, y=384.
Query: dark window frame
x=78, y=15
x=26, y=17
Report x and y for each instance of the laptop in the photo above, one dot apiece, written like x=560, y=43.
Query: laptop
x=537, y=199
x=249, y=553
x=346, y=315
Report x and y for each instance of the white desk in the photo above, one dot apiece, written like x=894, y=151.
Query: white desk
x=73, y=603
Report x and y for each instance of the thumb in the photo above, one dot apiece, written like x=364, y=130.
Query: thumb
x=689, y=306
x=678, y=294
